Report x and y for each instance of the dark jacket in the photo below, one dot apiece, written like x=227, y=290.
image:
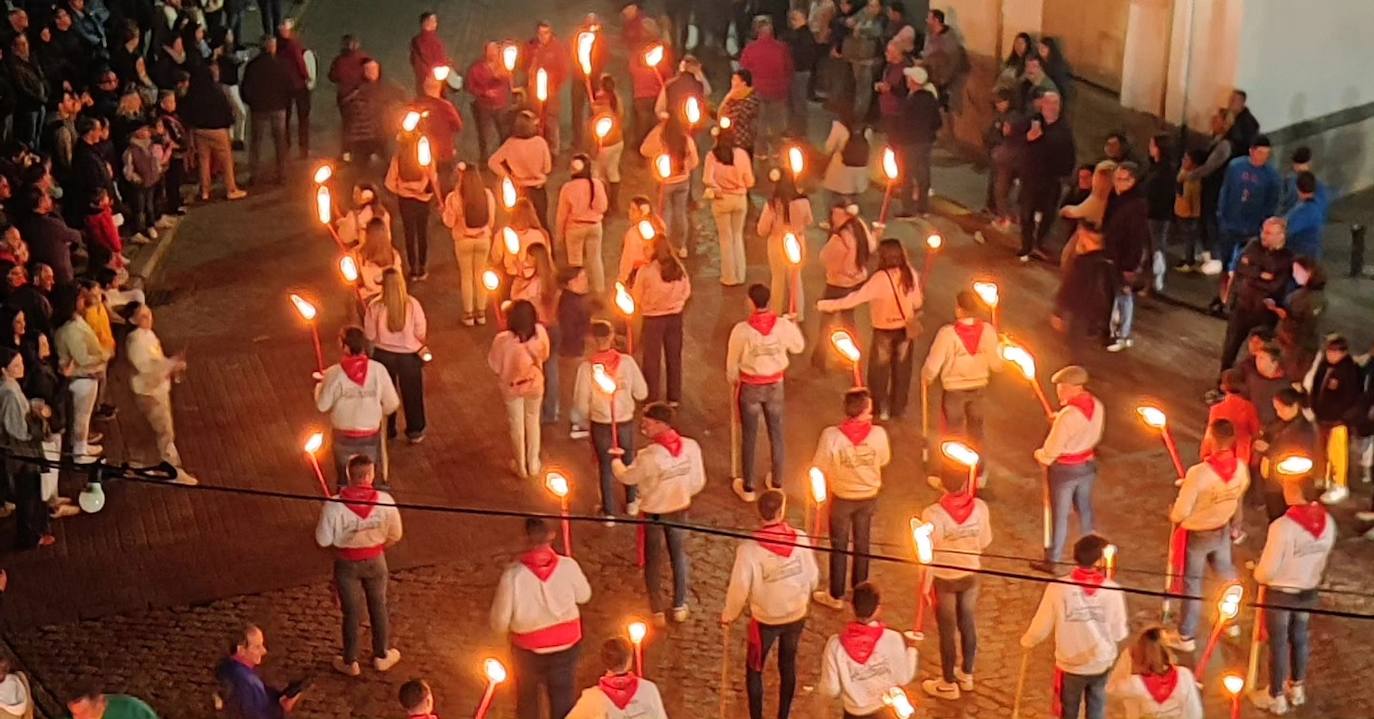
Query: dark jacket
x=1161, y=184
x=346, y=71
x=365, y=110
x=1125, y=231
x=918, y=120
x=90, y=172
x=30, y=83
x=805, y=50
x=1049, y=158
x=1364, y=423
x=1336, y=391
x=50, y=242
x=1243, y=132
x=266, y=85
x=575, y=323
x=205, y=106
x=1261, y=274
x=1285, y=438
x=1087, y=292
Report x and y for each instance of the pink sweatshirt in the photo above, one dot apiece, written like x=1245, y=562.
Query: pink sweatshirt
x=408, y=340
x=519, y=366
x=655, y=296
x=421, y=189
x=732, y=179
x=772, y=226
x=528, y=159
x=888, y=307
x=576, y=205
x=653, y=147
x=838, y=258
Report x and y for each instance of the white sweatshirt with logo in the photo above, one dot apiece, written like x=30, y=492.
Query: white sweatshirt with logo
x=357, y=408
x=647, y=703
x=1185, y=702
x=1293, y=560
x=524, y=604
x=666, y=483
x=852, y=471
x=777, y=589
x=958, y=544
x=589, y=402
x=892, y=664
x=1087, y=629
x=1205, y=501
x=341, y=528
x=753, y=353
x=950, y=361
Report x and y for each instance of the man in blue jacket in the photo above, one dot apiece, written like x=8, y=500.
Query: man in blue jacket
x=242, y=692
x=1307, y=217
x=1249, y=196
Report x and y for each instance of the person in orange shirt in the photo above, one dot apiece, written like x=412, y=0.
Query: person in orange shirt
x=97, y=315
x=1241, y=413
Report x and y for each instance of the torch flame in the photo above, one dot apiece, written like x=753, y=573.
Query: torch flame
x=901, y=705
x=986, y=291
x=585, y=41
x=960, y=452
x=691, y=109
x=541, y=85
x=410, y=121
x=1294, y=464
x=664, y=165
x=934, y=241
x=557, y=484
x=314, y=442
x=1232, y=683
x=724, y=122
x=509, y=195
x=494, y=669
x=1018, y=356
x=324, y=206
x=509, y=54
x=653, y=56
x=323, y=173
x=491, y=280
x=792, y=247
x=845, y=345
x=796, y=160
x=422, y=152
x=1152, y=416
x=306, y=310
x=348, y=267
x=890, y=164
x=603, y=380
x=818, y=491
x=1228, y=607
x=603, y=127
x=921, y=537
x=441, y=73
x=623, y=300
x=646, y=230
x=637, y=631
x=512, y=241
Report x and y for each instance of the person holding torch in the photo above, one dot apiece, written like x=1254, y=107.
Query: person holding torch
x=844, y=256
x=582, y=204
x=787, y=213
x=963, y=356
x=610, y=414
x=728, y=175
x=545, y=51
x=1150, y=684
x=852, y=455
x=1086, y=613
x=1207, y=503
x=525, y=158
x=536, y=607
x=962, y=530
x=673, y=155
x=414, y=179
x=1070, y=458
x=866, y=659
x=357, y=394
x=469, y=211
x=591, y=55
x=619, y=693
x=756, y=360
x=1290, y=570
x=668, y=473
x=773, y=575
x=607, y=126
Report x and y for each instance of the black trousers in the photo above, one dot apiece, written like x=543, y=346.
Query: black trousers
x=662, y=342
x=761, y=638
x=539, y=197
x=889, y=371
x=556, y=672
x=300, y=104
x=415, y=224
x=1239, y=324
x=271, y=15
x=1037, y=195
x=31, y=514
x=407, y=373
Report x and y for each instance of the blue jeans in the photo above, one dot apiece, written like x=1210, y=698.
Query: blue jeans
x=1082, y=689
x=1071, y=488
x=675, y=198
x=1123, y=313
x=954, y=603
x=889, y=371
x=548, y=409
x=764, y=400
x=1288, y=637
x=1210, y=547
x=653, y=559
x=601, y=446
x=846, y=516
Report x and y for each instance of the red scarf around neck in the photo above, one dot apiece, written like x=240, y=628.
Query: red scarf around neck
x=1161, y=686
x=856, y=429
x=355, y=368
x=619, y=688
x=610, y=359
x=1089, y=580
x=778, y=538
x=1311, y=517
x=353, y=495
x=541, y=560
x=1224, y=463
x=671, y=441
x=860, y=639
x=763, y=321
x=1084, y=403
x=959, y=505
x=970, y=333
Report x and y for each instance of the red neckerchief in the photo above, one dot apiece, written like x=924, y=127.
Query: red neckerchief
x=670, y=440
x=856, y=429
x=860, y=639
x=542, y=561
x=970, y=333
x=763, y=321
x=1310, y=517
x=610, y=359
x=959, y=505
x=353, y=495
x=779, y=538
x=1161, y=686
x=1090, y=580
x=1084, y=403
x=422, y=716
x=619, y=688
x=1224, y=463
x=355, y=368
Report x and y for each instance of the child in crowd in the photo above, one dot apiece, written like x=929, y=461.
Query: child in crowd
x=1004, y=157
x=142, y=172
x=1188, y=208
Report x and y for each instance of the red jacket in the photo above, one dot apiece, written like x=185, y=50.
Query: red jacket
x=644, y=82
x=442, y=123
x=554, y=57
x=770, y=61
x=100, y=229
x=292, y=54
x=490, y=87
x=426, y=53
x=346, y=72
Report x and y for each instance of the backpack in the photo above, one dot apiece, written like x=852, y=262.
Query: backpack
x=855, y=152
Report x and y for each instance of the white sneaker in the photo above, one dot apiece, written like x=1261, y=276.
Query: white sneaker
x=151, y=232
x=1295, y=693
x=632, y=508
x=1365, y=516
x=382, y=664
x=351, y=669
x=165, y=222
x=186, y=478
x=1211, y=268
x=579, y=433
x=747, y=495
x=92, y=453
x=680, y=614
x=823, y=598
x=965, y=680
x=1274, y=705
x=140, y=239
x=1120, y=344
x=1335, y=495
x=940, y=690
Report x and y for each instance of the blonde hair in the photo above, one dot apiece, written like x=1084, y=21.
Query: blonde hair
x=395, y=299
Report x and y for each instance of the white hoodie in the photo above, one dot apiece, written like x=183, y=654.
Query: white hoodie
x=524, y=604
x=1185, y=702
x=1293, y=560
x=776, y=588
x=892, y=664
x=645, y=704
x=761, y=356
x=591, y=403
x=958, y=544
x=1086, y=628
x=1205, y=502
x=666, y=483
x=357, y=408
x=372, y=527
x=852, y=471
x=957, y=368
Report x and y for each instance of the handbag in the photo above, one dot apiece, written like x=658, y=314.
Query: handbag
x=911, y=324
